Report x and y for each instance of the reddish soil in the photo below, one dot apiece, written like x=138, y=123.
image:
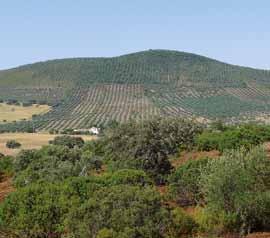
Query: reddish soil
x=162, y=189
x=5, y=188
x=259, y=235
x=194, y=155
x=266, y=146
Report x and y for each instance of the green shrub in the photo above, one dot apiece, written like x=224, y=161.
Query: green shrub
x=13, y=144
x=68, y=141
x=128, y=177
x=27, y=104
x=184, y=182
x=6, y=166
x=23, y=159
x=215, y=223
x=233, y=137
x=238, y=185
x=148, y=145
x=35, y=211
x=84, y=187
x=50, y=164
x=106, y=233
x=124, y=210
x=180, y=224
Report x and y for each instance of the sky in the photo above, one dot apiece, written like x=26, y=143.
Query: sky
x=236, y=32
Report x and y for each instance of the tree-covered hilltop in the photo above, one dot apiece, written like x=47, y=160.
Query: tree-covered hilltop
x=152, y=66
x=94, y=91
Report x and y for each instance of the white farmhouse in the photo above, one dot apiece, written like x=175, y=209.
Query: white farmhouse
x=94, y=130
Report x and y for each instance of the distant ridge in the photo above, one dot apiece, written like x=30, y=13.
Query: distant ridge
x=90, y=91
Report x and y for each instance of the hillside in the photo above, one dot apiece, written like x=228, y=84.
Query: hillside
x=90, y=91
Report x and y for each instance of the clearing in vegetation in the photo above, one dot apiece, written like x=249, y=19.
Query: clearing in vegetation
x=29, y=141
x=10, y=113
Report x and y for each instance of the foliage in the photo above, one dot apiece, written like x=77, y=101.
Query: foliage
x=51, y=163
x=6, y=166
x=184, y=182
x=68, y=141
x=106, y=187
x=40, y=209
x=148, y=145
x=233, y=137
x=13, y=144
x=35, y=211
x=238, y=185
x=180, y=224
x=214, y=223
x=126, y=211
x=128, y=177
x=22, y=126
x=94, y=91
x=84, y=187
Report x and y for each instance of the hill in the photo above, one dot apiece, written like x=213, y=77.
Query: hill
x=93, y=91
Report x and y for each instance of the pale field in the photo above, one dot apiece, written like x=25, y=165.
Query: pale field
x=16, y=113
x=30, y=141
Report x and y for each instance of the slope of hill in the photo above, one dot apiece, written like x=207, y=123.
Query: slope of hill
x=89, y=91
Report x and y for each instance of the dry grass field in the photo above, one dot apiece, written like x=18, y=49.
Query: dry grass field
x=9, y=113
x=29, y=141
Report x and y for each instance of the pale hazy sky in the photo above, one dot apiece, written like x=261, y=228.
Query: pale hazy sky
x=236, y=32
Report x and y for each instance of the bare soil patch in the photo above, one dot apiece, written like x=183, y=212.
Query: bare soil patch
x=194, y=155
x=29, y=141
x=10, y=113
x=5, y=188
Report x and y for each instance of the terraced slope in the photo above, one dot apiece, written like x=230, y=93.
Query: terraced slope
x=90, y=91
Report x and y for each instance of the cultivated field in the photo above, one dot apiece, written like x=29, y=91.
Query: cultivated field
x=87, y=92
x=28, y=141
x=10, y=113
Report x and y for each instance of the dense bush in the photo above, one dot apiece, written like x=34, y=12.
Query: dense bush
x=118, y=200
x=68, y=141
x=148, y=145
x=12, y=102
x=51, y=163
x=6, y=166
x=27, y=104
x=105, y=188
x=84, y=187
x=23, y=159
x=181, y=224
x=233, y=137
x=127, y=211
x=184, y=182
x=13, y=144
x=238, y=186
x=128, y=177
x=35, y=211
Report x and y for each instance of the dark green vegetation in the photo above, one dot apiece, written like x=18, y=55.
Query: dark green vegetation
x=233, y=137
x=13, y=144
x=92, y=91
x=236, y=190
x=68, y=141
x=148, y=145
x=6, y=167
x=109, y=188
x=184, y=182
